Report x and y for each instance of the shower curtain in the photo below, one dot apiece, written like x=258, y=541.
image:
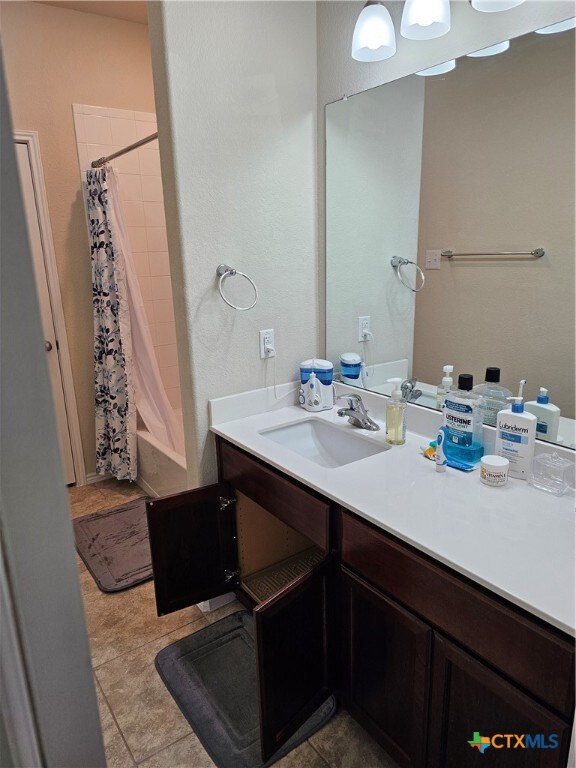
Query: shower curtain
x=126, y=374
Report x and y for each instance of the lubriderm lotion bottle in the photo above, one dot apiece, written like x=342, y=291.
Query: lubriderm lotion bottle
x=515, y=437
x=396, y=416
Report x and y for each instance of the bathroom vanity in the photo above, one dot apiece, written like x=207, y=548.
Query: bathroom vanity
x=424, y=649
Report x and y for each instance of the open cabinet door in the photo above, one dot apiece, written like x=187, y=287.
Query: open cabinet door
x=293, y=650
x=193, y=546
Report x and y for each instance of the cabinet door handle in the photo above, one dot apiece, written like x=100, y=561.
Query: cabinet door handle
x=48, y=346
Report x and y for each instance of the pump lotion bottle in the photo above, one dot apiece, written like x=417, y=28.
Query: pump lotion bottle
x=515, y=438
x=396, y=416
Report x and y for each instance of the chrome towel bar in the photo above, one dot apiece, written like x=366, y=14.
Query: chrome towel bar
x=537, y=253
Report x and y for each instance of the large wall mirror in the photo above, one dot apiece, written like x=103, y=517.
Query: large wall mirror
x=477, y=161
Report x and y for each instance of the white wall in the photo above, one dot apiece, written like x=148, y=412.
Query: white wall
x=235, y=88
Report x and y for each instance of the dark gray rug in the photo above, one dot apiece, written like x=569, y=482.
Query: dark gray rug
x=114, y=545
x=212, y=676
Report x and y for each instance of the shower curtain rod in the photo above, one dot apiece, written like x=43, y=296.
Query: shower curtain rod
x=103, y=160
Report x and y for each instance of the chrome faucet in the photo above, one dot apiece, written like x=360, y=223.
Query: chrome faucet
x=408, y=392
x=357, y=413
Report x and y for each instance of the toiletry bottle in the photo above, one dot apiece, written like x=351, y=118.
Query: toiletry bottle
x=462, y=420
x=515, y=437
x=396, y=416
x=493, y=397
x=547, y=414
x=445, y=387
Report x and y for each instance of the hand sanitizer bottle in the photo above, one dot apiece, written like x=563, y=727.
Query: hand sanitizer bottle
x=548, y=416
x=396, y=416
x=443, y=389
x=515, y=437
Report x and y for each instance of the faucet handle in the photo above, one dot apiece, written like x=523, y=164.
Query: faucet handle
x=353, y=400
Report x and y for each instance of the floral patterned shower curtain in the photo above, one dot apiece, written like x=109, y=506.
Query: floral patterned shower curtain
x=113, y=374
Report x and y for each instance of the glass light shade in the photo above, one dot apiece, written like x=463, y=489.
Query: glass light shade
x=492, y=50
x=560, y=26
x=425, y=19
x=492, y=6
x=439, y=69
x=374, y=38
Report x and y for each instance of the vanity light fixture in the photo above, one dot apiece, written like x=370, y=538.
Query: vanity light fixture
x=425, y=19
x=492, y=6
x=439, y=69
x=560, y=26
x=492, y=50
x=374, y=38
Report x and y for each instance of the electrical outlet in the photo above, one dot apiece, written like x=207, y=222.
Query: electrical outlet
x=267, y=348
x=433, y=259
x=363, y=327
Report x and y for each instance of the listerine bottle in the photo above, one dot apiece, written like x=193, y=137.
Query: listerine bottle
x=493, y=397
x=463, y=421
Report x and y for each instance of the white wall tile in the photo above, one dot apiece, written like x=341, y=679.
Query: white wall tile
x=157, y=240
x=149, y=308
x=137, y=237
x=175, y=397
x=83, y=159
x=127, y=163
x=87, y=109
x=123, y=131
x=162, y=287
x=130, y=187
x=126, y=114
x=154, y=214
x=148, y=117
x=159, y=263
x=134, y=213
x=170, y=377
x=165, y=333
x=97, y=129
x=167, y=355
x=154, y=333
x=145, y=287
x=96, y=151
x=163, y=311
x=149, y=162
x=141, y=263
x=79, y=127
x=152, y=188
x=144, y=129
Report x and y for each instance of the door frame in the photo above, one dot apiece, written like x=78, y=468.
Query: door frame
x=32, y=142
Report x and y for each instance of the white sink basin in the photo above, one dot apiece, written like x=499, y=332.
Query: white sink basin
x=325, y=444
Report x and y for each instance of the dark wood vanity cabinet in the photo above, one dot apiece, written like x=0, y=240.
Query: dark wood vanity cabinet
x=200, y=550
x=426, y=657
x=501, y=671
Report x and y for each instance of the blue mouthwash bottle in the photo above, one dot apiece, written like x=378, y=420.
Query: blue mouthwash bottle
x=463, y=421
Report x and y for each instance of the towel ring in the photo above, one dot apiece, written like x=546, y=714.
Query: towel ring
x=398, y=262
x=223, y=271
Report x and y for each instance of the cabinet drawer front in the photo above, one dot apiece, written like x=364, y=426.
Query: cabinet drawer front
x=539, y=660
x=296, y=507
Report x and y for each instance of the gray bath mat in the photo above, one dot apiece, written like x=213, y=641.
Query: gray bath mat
x=114, y=545
x=212, y=676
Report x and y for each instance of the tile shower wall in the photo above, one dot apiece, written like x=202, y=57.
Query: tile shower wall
x=101, y=131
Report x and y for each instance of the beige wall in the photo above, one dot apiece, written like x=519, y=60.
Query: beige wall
x=498, y=174
x=55, y=57
x=236, y=105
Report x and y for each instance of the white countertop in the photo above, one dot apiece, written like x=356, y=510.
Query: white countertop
x=515, y=540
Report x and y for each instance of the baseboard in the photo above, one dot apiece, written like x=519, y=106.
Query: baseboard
x=92, y=477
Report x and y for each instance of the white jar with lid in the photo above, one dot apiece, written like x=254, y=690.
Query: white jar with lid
x=494, y=470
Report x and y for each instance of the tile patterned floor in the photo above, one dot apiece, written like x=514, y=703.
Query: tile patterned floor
x=141, y=724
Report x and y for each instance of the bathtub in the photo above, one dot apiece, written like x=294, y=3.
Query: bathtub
x=161, y=471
